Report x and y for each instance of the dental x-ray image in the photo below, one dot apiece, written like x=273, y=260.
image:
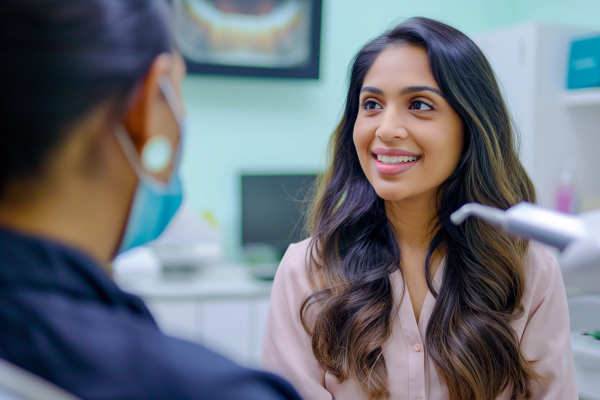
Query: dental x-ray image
x=279, y=38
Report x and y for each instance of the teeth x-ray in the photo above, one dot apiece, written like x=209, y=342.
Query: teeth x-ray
x=242, y=36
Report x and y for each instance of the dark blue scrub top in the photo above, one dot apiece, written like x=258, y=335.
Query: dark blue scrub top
x=64, y=319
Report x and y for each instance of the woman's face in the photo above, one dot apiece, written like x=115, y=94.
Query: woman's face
x=408, y=138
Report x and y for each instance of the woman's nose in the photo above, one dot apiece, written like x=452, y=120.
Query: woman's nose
x=392, y=126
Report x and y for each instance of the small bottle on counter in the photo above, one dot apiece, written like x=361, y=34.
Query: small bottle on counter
x=566, y=195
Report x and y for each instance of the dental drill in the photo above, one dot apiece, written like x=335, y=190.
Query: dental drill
x=577, y=237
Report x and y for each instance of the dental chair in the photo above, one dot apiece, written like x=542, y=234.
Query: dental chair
x=19, y=384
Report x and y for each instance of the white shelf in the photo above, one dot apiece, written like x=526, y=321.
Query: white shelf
x=582, y=97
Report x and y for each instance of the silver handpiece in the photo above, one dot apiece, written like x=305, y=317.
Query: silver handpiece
x=527, y=221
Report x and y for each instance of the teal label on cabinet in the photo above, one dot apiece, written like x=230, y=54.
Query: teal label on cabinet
x=584, y=65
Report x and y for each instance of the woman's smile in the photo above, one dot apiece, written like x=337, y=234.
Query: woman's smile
x=393, y=161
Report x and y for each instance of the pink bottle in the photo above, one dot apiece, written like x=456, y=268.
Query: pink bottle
x=565, y=195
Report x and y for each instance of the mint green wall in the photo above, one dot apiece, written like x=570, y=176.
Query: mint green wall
x=273, y=125
x=581, y=13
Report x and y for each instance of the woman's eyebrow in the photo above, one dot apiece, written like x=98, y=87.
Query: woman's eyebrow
x=415, y=89
x=372, y=89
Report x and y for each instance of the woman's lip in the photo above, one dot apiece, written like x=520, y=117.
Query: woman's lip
x=393, y=152
x=393, y=169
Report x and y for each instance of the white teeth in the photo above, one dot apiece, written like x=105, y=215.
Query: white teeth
x=395, y=160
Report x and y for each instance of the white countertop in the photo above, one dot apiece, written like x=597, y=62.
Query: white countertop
x=215, y=281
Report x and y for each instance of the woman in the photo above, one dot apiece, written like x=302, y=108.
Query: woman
x=92, y=120
x=388, y=299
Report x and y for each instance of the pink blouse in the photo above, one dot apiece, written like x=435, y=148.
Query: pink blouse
x=543, y=331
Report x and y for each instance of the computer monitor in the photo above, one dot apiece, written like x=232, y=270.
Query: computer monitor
x=273, y=208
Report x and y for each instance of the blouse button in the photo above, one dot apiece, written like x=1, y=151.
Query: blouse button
x=417, y=348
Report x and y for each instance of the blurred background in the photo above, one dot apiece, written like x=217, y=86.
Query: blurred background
x=265, y=91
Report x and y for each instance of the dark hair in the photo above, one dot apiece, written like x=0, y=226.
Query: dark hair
x=61, y=58
x=354, y=248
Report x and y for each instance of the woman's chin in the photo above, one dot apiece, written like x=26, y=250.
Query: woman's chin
x=388, y=194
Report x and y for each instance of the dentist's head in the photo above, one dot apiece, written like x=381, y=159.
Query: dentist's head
x=92, y=121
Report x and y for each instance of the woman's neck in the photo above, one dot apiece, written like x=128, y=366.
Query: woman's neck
x=415, y=220
x=415, y=223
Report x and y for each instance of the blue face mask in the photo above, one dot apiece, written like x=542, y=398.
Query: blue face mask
x=155, y=203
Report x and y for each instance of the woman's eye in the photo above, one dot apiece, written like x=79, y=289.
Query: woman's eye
x=419, y=105
x=371, y=105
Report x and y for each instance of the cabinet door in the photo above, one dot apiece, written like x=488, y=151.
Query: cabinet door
x=177, y=318
x=512, y=52
x=225, y=328
x=260, y=309
x=231, y=327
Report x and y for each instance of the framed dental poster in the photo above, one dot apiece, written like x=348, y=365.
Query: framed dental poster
x=270, y=38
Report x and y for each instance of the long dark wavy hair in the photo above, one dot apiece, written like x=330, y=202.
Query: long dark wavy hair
x=354, y=250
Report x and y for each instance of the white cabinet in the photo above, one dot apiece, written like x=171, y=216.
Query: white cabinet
x=226, y=326
x=231, y=327
x=179, y=318
x=257, y=332
x=531, y=61
x=222, y=308
x=512, y=53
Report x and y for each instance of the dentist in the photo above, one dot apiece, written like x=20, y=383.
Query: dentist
x=92, y=134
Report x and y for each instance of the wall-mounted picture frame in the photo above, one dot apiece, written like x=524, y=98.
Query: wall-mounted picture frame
x=267, y=38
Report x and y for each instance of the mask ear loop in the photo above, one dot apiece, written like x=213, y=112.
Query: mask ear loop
x=169, y=92
x=131, y=154
x=157, y=152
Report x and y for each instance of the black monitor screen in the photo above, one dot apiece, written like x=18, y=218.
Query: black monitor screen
x=273, y=207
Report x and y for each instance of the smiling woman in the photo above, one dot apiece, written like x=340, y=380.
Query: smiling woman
x=388, y=299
